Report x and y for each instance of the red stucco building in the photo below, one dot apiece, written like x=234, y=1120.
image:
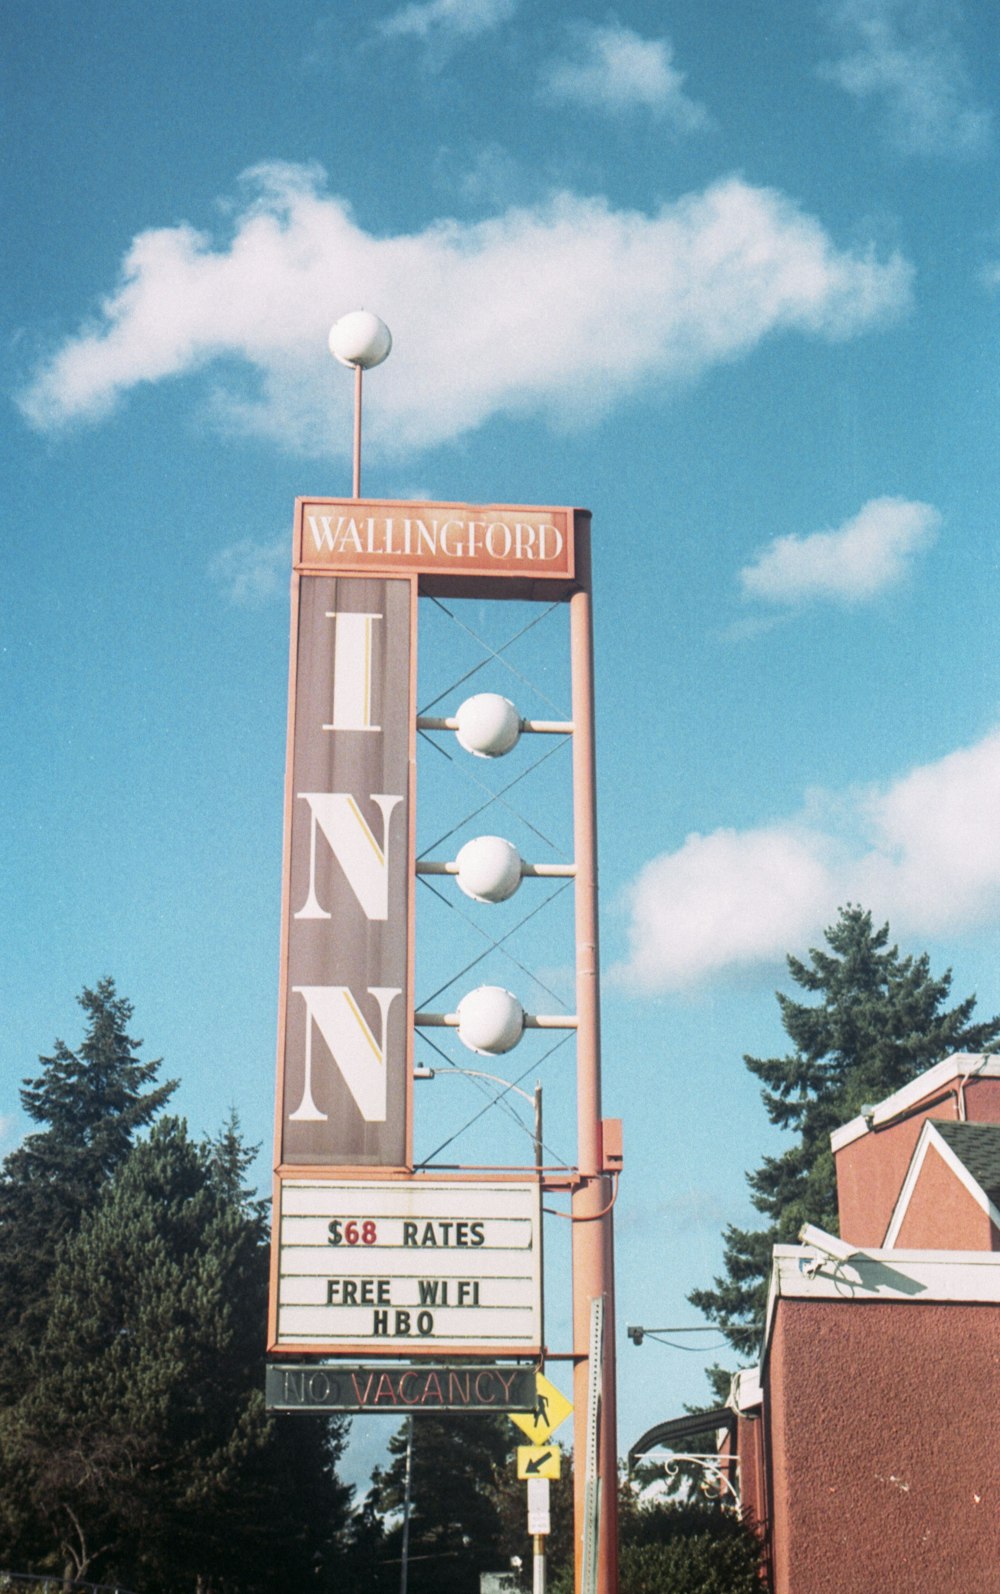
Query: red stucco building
x=868, y=1437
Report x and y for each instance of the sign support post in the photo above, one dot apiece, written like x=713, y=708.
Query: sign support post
x=538, y=1564
x=593, y=1253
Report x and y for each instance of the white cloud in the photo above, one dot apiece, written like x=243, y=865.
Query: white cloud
x=859, y=560
x=252, y=573
x=989, y=276
x=935, y=855
x=446, y=20
x=923, y=853
x=558, y=310
x=613, y=68
x=903, y=55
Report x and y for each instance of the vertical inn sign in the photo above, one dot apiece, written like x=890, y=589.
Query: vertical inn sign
x=346, y=1018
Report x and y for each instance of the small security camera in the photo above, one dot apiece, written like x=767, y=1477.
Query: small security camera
x=635, y=1334
x=828, y=1245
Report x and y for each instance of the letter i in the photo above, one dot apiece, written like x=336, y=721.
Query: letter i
x=352, y=672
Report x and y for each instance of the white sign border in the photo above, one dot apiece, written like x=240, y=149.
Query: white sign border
x=455, y=1201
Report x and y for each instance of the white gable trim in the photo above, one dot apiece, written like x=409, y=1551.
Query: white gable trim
x=931, y=1136
x=961, y=1066
x=916, y=1277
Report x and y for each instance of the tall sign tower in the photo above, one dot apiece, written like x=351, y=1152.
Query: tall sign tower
x=400, y=1287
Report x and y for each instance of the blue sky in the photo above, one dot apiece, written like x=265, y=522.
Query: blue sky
x=729, y=276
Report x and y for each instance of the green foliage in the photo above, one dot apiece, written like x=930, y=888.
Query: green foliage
x=879, y=1021
x=700, y=1564
x=670, y=1547
x=150, y=1372
x=455, y=1522
x=134, y=1443
x=91, y=1103
x=675, y=1547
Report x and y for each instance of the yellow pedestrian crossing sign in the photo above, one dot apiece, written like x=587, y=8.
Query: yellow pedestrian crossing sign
x=551, y=1408
x=539, y=1461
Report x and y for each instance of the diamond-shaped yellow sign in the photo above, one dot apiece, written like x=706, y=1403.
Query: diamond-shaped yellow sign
x=551, y=1408
x=539, y=1461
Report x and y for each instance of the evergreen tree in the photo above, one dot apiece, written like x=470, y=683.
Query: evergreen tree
x=141, y=1444
x=687, y=1547
x=91, y=1103
x=878, y=1021
x=455, y=1526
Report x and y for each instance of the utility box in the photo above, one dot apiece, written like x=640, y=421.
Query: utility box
x=612, y=1145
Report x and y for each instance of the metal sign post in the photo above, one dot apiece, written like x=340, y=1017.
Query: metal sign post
x=591, y=1472
x=538, y=1564
x=593, y=1200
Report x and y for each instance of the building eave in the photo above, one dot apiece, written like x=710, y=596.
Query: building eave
x=960, y=1067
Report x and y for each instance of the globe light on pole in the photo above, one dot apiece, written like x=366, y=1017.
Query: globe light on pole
x=360, y=341
x=488, y=725
x=490, y=1020
x=489, y=869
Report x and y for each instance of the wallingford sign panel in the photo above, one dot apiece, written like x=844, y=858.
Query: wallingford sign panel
x=343, y=1117
x=447, y=545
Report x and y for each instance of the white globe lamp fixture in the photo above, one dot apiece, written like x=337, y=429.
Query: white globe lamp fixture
x=487, y=725
x=490, y=1020
x=360, y=339
x=489, y=869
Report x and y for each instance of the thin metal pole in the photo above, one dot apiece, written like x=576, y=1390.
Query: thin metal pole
x=357, y=431
x=593, y=1244
x=538, y=1564
x=404, y=1567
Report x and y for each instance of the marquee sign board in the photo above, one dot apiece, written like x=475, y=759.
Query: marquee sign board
x=413, y=1267
x=308, y=1387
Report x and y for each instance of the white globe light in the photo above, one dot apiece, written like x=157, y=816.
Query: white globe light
x=489, y=869
x=490, y=1020
x=488, y=725
x=360, y=338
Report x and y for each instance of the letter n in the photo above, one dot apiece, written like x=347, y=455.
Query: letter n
x=353, y=844
x=359, y=1057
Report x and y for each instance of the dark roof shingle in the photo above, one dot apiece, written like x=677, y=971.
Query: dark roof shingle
x=977, y=1146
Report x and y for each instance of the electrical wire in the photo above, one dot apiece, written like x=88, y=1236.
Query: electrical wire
x=589, y=1217
x=700, y=1349
x=496, y=1101
x=496, y=797
x=494, y=946
x=493, y=653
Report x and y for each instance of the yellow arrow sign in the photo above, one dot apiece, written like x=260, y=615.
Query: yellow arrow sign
x=551, y=1408
x=539, y=1461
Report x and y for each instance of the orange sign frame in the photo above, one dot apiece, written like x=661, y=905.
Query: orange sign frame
x=458, y=550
